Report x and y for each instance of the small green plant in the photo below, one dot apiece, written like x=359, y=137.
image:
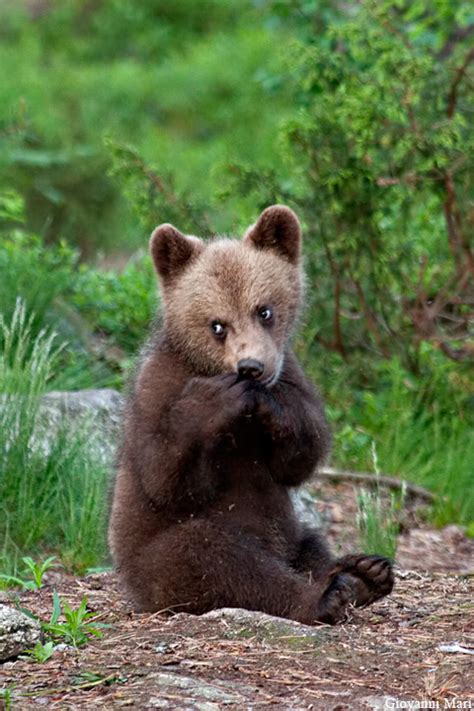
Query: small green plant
x=78, y=624
x=37, y=570
x=41, y=652
x=6, y=699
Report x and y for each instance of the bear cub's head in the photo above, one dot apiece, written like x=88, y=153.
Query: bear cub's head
x=231, y=305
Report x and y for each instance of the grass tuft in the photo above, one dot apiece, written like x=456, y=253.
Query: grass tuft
x=377, y=519
x=52, y=494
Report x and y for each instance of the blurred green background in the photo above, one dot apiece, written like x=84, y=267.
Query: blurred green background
x=117, y=115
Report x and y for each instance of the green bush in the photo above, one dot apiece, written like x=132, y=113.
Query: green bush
x=118, y=306
x=43, y=279
x=103, y=316
x=40, y=276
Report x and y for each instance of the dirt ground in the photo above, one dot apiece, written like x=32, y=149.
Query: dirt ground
x=415, y=646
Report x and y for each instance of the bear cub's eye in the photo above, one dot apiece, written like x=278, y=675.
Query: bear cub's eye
x=218, y=329
x=265, y=313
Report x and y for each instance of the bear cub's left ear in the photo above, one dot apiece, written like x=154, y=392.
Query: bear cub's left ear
x=277, y=229
x=171, y=251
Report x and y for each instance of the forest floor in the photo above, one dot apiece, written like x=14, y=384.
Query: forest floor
x=416, y=646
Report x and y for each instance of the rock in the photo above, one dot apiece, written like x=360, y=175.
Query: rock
x=97, y=411
x=254, y=618
x=91, y=414
x=251, y=623
x=305, y=507
x=105, y=404
x=18, y=632
x=196, y=692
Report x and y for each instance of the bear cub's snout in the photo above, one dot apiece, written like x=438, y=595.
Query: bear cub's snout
x=250, y=369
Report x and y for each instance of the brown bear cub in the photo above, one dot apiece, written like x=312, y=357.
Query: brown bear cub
x=221, y=423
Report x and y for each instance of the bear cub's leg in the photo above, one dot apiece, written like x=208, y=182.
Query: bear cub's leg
x=198, y=567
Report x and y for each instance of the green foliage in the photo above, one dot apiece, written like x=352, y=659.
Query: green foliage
x=151, y=194
x=12, y=208
x=78, y=625
x=6, y=697
x=61, y=480
x=101, y=315
x=118, y=306
x=43, y=279
x=25, y=365
x=27, y=268
x=41, y=652
x=421, y=426
x=85, y=33
x=37, y=570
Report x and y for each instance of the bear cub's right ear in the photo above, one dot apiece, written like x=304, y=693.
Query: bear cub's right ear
x=278, y=230
x=171, y=251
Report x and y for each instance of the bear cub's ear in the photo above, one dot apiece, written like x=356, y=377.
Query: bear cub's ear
x=171, y=250
x=277, y=229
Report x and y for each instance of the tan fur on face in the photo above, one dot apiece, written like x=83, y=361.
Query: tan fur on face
x=228, y=282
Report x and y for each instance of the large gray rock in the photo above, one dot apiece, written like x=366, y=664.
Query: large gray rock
x=98, y=412
x=104, y=405
x=18, y=632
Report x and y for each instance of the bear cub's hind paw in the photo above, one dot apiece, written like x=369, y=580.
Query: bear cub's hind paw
x=355, y=580
x=371, y=577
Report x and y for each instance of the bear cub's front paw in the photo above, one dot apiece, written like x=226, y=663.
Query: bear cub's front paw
x=219, y=400
x=267, y=407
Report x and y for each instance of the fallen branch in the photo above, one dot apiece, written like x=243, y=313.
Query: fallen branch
x=390, y=482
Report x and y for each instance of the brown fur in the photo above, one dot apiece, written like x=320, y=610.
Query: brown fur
x=201, y=516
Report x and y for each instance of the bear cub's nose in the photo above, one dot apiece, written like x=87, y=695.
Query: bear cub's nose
x=250, y=369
